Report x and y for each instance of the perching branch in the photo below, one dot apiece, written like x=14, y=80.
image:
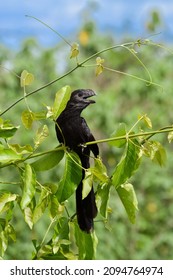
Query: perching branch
x=131, y=136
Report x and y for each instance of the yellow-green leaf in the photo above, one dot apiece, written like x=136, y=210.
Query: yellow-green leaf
x=42, y=204
x=99, y=170
x=128, y=197
x=6, y=198
x=61, y=99
x=74, y=50
x=27, y=119
x=99, y=60
x=87, y=184
x=8, y=155
x=155, y=151
x=29, y=183
x=21, y=149
x=170, y=136
x=28, y=216
x=26, y=78
x=159, y=155
x=41, y=135
x=99, y=68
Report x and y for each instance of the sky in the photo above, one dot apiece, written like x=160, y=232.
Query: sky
x=66, y=16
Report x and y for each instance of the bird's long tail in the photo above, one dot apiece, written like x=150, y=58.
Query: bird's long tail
x=86, y=209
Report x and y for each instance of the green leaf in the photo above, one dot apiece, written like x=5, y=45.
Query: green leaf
x=7, y=132
x=155, y=151
x=51, y=187
x=71, y=177
x=26, y=78
x=87, y=184
x=99, y=68
x=5, y=234
x=170, y=136
x=49, y=113
x=29, y=182
x=6, y=198
x=42, y=204
x=128, y=197
x=27, y=118
x=103, y=193
x=8, y=155
x=28, y=216
x=10, y=232
x=2, y=224
x=61, y=233
x=55, y=208
x=99, y=170
x=41, y=135
x=3, y=242
x=61, y=99
x=159, y=154
x=48, y=161
x=39, y=115
x=120, y=131
x=21, y=149
x=74, y=50
x=147, y=121
x=128, y=164
x=86, y=243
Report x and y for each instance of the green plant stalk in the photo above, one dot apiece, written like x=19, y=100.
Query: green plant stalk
x=81, y=64
x=131, y=136
x=106, y=140
x=31, y=156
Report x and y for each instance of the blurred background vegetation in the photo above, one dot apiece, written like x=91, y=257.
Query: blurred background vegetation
x=119, y=99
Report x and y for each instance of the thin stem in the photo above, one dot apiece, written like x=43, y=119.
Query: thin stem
x=136, y=123
x=50, y=29
x=133, y=76
x=143, y=65
x=66, y=74
x=39, y=89
x=130, y=136
x=10, y=183
x=81, y=64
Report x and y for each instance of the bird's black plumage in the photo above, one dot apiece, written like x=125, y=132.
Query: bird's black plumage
x=72, y=130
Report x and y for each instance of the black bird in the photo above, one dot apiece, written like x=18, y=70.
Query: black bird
x=73, y=131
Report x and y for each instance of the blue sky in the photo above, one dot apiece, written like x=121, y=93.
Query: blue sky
x=65, y=16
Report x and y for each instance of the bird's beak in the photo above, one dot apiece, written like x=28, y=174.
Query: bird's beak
x=89, y=93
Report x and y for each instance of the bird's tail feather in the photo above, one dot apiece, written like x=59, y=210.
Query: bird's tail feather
x=86, y=209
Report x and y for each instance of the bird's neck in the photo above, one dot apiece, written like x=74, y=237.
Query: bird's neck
x=70, y=113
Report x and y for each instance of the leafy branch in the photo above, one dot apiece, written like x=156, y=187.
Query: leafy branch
x=82, y=64
x=127, y=136
x=37, y=197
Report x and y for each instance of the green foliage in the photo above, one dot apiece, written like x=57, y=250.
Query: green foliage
x=46, y=176
x=71, y=177
x=61, y=99
x=128, y=197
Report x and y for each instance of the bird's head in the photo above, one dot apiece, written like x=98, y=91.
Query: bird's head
x=80, y=99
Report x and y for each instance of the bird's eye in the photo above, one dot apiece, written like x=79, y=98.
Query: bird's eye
x=80, y=94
